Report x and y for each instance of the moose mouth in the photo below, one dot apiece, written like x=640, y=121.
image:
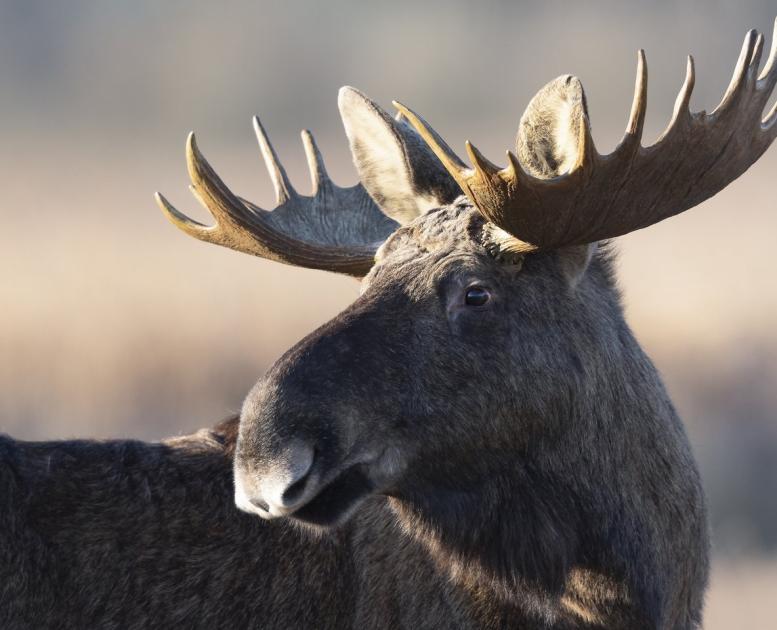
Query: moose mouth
x=335, y=502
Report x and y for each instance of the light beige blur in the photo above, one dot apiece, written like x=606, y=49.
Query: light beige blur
x=113, y=323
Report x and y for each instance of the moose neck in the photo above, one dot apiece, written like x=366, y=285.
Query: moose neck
x=560, y=539
x=520, y=540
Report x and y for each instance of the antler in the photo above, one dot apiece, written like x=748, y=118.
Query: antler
x=336, y=229
x=604, y=196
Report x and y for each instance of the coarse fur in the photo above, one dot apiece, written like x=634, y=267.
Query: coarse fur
x=426, y=459
x=126, y=534
x=563, y=494
x=583, y=510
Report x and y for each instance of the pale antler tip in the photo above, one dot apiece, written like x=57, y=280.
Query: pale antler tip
x=755, y=56
x=178, y=219
x=642, y=67
x=513, y=164
x=450, y=160
x=401, y=108
x=283, y=188
x=191, y=140
x=166, y=207
x=480, y=161
x=261, y=134
x=318, y=174
x=471, y=152
x=194, y=158
x=307, y=139
x=769, y=73
x=742, y=69
x=682, y=110
x=193, y=153
x=639, y=102
x=748, y=45
x=404, y=113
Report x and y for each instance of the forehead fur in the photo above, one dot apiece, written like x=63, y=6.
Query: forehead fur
x=457, y=226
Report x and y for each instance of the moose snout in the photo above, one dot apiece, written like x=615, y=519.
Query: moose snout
x=282, y=485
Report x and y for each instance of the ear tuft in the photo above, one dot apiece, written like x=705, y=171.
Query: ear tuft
x=551, y=128
x=396, y=167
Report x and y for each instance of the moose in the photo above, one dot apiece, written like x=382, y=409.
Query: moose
x=478, y=441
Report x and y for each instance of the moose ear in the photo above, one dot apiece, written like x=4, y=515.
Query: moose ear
x=574, y=260
x=399, y=171
x=551, y=131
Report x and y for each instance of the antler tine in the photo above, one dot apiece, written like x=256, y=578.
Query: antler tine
x=280, y=181
x=741, y=72
x=484, y=167
x=301, y=230
x=449, y=159
x=597, y=197
x=767, y=81
x=209, y=233
x=768, y=76
x=204, y=184
x=755, y=59
x=514, y=170
x=636, y=122
x=180, y=220
x=210, y=191
x=681, y=112
x=683, y=102
x=318, y=174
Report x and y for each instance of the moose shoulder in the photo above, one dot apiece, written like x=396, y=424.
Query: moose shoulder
x=478, y=441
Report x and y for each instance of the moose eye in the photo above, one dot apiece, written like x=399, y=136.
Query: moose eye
x=476, y=296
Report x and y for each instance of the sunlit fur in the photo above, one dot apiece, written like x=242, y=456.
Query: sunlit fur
x=539, y=476
x=544, y=471
x=515, y=464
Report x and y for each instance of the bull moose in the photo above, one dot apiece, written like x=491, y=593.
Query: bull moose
x=478, y=441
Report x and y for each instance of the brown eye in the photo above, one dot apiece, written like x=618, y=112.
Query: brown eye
x=476, y=296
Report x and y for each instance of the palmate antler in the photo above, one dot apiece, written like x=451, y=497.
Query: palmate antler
x=336, y=229
x=604, y=196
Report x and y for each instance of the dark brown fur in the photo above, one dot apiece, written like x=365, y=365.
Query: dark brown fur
x=565, y=498
x=537, y=459
x=422, y=462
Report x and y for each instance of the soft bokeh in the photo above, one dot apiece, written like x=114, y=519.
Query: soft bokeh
x=114, y=324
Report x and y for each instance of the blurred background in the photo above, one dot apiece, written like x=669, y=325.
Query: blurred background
x=114, y=324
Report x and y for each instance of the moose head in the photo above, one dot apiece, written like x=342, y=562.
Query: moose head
x=485, y=380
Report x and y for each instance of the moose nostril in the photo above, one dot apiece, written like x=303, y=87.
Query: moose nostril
x=294, y=490
x=288, y=481
x=260, y=504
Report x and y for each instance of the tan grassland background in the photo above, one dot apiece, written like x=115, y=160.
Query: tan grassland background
x=113, y=324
